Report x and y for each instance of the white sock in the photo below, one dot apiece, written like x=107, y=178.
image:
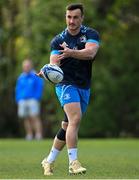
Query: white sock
x=52, y=155
x=72, y=153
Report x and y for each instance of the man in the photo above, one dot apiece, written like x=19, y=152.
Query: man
x=73, y=50
x=28, y=91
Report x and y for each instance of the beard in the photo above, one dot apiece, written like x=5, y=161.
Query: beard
x=73, y=27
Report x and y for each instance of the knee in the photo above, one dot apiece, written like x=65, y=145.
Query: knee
x=75, y=120
x=62, y=132
x=64, y=125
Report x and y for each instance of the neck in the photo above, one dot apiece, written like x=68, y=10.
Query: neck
x=74, y=32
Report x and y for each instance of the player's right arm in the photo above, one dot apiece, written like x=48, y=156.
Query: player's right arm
x=55, y=51
x=54, y=55
x=54, y=59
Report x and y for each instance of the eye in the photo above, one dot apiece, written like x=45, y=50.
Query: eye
x=75, y=17
x=69, y=17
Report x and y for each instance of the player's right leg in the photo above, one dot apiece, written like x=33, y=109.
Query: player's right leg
x=58, y=144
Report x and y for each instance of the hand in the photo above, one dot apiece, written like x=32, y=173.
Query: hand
x=39, y=74
x=66, y=52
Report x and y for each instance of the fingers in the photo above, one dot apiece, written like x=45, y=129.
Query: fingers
x=60, y=57
x=65, y=53
x=39, y=74
x=62, y=51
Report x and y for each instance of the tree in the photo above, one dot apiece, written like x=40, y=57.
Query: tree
x=26, y=29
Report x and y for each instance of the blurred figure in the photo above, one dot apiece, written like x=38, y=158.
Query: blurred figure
x=29, y=89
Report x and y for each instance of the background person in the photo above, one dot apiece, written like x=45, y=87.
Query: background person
x=74, y=51
x=29, y=89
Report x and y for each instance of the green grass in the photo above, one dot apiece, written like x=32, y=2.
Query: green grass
x=108, y=158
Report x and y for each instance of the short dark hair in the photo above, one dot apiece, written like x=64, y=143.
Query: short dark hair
x=76, y=6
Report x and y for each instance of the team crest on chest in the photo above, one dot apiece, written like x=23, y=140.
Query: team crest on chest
x=83, y=39
x=64, y=44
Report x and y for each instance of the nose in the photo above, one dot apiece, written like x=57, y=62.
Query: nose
x=71, y=20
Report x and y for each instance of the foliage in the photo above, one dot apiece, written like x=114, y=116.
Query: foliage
x=26, y=29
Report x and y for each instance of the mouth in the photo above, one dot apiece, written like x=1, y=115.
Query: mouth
x=71, y=24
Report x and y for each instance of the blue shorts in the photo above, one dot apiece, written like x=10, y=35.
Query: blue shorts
x=70, y=93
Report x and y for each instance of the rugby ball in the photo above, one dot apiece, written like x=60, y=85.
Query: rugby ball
x=52, y=73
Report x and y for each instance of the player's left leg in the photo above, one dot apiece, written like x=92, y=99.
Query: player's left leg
x=73, y=111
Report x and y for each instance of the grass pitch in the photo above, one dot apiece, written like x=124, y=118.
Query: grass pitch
x=103, y=158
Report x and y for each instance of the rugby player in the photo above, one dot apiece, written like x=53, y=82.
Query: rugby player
x=74, y=51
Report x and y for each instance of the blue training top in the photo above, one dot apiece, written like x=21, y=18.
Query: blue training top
x=29, y=86
x=76, y=72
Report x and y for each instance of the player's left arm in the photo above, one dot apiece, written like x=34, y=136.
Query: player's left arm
x=88, y=53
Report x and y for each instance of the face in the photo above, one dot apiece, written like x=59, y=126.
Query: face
x=74, y=19
x=27, y=66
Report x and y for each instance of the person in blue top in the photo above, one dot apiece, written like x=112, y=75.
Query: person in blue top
x=28, y=93
x=74, y=50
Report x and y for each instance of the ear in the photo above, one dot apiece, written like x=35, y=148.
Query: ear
x=82, y=18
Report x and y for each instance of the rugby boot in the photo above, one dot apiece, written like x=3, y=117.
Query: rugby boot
x=48, y=167
x=76, y=168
